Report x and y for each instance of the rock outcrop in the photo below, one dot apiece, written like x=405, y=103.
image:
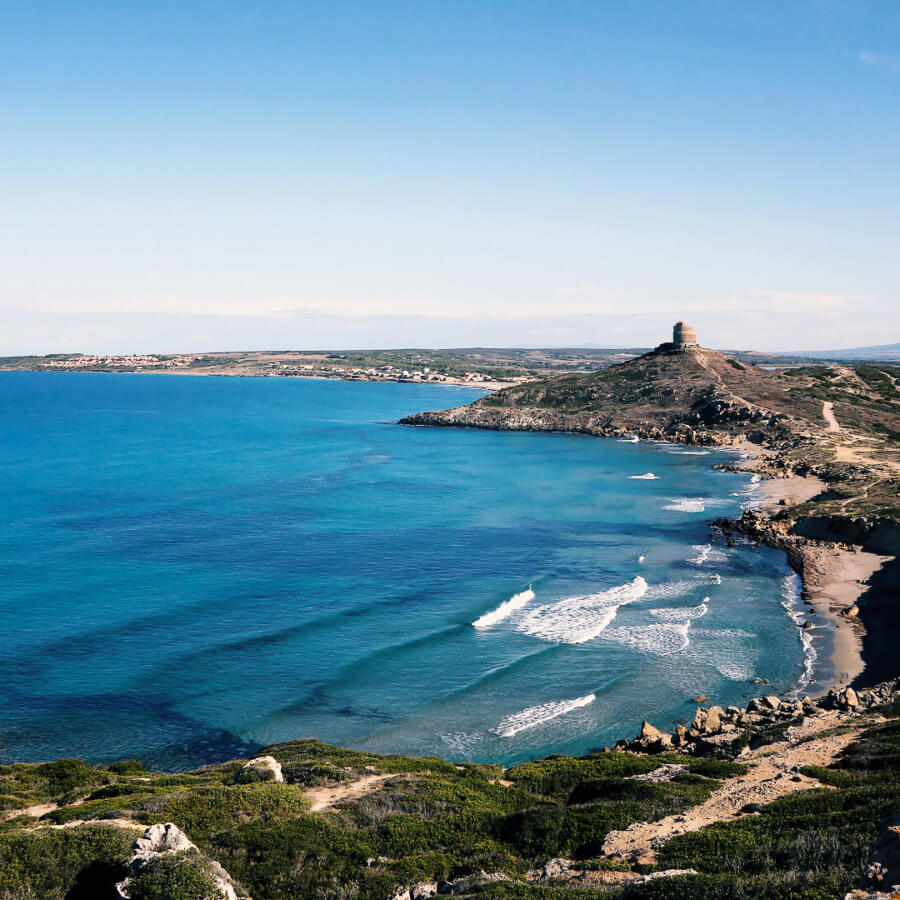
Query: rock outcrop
x=167, y=839
x=262, y=768
x=881, y=879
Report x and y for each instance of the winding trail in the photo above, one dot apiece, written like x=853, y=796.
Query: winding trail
x=772, y=775
x=326, y=797
x=828, y=415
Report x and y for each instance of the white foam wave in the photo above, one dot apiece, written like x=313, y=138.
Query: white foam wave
x=688, y=452
x=687, y=504
x=735, y=671
x=460, y=741
x=539, y=715
x=706, y=553
x=574, y=620
x=634, y=439
x=647, y=476
x=681, y=613
x=790, y=591
x=661, y=640
x=669, y=589
x=505, y=609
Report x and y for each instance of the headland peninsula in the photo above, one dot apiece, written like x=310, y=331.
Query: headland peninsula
x=786, y=797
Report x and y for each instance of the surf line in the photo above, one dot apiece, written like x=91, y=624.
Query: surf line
x=505, y=609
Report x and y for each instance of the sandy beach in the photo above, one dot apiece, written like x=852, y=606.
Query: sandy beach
x=834, y=577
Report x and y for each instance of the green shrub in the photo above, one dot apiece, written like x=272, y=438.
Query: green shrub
x=75, y=863
x=174, y=877
x=127, y=767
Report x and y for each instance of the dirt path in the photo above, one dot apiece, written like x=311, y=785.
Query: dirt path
x=828, y=415
x=326, y=797
x=770, y=777
x=36, y=811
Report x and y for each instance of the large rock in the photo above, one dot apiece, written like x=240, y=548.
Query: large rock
x=263, y=768
x=882, y=871
x=167, y=839
x=648, y=732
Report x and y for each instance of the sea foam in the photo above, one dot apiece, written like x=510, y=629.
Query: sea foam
x=647, y=476
x=539, y=715
x=706, y=553
x=790, y=591
x=687, y=504
x=681, y=613
x=505, y=609
x=659, y=639
x=574, y=620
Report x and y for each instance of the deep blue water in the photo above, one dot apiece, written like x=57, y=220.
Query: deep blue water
x=191, y=567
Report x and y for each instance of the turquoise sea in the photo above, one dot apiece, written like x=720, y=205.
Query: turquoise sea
x=191, y=567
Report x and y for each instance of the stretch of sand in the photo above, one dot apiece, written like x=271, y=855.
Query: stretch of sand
x=834, y=578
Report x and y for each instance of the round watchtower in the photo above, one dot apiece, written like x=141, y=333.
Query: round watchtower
x=684, y=336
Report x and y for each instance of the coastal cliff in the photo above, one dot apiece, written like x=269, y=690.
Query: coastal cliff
x=836, y=426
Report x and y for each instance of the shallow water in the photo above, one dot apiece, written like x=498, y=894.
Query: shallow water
x=191, y=567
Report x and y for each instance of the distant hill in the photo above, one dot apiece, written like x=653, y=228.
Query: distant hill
x=881, y=352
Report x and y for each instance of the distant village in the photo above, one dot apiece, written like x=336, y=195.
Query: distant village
x=221, y=365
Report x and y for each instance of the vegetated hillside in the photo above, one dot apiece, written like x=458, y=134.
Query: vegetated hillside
x=352, y=824
x=841, y=423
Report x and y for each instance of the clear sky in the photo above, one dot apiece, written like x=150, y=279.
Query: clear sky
x=218, y=175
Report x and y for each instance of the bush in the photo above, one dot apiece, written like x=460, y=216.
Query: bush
x=76, y=864
x=127, y=767
x=174, y=877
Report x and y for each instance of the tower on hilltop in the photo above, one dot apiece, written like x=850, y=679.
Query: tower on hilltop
x=684, y=336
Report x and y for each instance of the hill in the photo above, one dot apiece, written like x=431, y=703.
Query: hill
x=839, y=423
x=780, y=800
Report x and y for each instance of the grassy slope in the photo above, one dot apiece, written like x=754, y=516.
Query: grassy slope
x=436, y=820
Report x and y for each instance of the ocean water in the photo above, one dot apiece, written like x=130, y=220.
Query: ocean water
x=192, y=567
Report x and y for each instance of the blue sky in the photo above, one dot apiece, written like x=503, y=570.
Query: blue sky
x=198, y=176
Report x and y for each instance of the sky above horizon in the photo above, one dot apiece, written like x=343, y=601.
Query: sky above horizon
x=220, y=176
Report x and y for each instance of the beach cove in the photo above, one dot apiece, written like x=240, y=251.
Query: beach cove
x=216, y=564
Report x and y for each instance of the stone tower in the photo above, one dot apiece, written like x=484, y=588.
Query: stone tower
x=684, y=336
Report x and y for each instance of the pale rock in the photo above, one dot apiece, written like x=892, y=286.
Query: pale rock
x=263, y=768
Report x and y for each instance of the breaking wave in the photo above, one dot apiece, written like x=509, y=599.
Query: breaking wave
x=539, y=715
x=574, y=620
x=662, y=640
x=706, y=553
x=647, y=476
x=686, y=504
x=679, y=614
x=505, y=609
x=790, y=591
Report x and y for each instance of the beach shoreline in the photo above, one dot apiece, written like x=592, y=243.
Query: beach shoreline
x=834, y=576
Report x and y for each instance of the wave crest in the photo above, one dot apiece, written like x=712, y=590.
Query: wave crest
x=539, y=715
x=505, y=609
x=574, y=620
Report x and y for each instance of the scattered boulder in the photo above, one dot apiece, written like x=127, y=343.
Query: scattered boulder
x=168, y=840
x=851, y=612
x=700, y=698
x=648, y=732
x=263, y=768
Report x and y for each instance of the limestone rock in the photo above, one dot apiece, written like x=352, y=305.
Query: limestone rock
x=263, y=768
x=167, y=839
x=648, y=732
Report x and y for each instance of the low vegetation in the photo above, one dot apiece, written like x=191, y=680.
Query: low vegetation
x=432, y=820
